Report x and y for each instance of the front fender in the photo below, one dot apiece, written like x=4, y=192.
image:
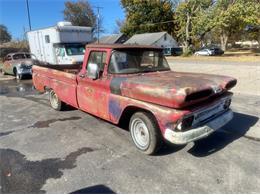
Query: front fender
x=164, y=115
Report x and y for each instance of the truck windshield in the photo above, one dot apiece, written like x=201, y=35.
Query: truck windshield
x=137, y=61
x=18, y=56
x=75, y=49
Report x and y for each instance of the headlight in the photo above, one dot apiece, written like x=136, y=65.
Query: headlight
x=227, y=104
x=185, y=123
x=182, y=124
x=73, y=61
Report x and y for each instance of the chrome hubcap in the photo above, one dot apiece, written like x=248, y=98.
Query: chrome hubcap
x=140, y=133
x=54, y=99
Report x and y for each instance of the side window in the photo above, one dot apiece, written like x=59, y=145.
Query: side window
x=99, y=58
x=47, y=39
x=60, y=51
x=8, y=58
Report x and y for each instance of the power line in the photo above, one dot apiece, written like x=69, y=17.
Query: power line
x=28, y=14
x=98, y=20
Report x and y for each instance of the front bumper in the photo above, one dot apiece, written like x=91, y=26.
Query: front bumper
x=24, y=71
x=199, y=132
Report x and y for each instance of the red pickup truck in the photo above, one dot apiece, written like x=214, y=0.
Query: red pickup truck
x=134, y=85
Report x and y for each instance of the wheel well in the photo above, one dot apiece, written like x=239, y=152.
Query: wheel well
x=47, y=88
x=14, y=70
x=127, y=114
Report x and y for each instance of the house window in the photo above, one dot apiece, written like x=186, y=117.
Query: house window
x=47, y=39
x=165, y=37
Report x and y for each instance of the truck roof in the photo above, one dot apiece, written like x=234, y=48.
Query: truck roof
x=123, y=46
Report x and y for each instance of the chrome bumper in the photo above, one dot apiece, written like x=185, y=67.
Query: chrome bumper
x=199, y=132
x=24, y=71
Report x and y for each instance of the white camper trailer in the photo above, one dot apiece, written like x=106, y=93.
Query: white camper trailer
x=60, y=44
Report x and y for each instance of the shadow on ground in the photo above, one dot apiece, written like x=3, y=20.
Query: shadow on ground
x=98, y=189
x=19, y=175
x=235, y=129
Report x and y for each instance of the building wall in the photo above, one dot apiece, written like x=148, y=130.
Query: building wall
x=166, y=41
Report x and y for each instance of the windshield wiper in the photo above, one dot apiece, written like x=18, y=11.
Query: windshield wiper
x=148, y=70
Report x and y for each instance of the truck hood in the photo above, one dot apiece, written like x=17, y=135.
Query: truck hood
x=171, y=89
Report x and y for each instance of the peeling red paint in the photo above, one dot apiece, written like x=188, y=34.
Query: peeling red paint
x=167, y=95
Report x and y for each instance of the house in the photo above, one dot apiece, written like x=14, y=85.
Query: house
x=160, y=39
x=113, y=39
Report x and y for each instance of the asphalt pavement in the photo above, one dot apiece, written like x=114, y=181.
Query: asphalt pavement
x=45, y=151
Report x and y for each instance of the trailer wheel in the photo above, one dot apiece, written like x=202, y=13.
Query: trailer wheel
x=145, y=132
x=55, y=102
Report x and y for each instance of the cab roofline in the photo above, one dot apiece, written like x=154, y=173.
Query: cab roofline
x=123, y=46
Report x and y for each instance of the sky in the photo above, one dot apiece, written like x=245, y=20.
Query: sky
x=45, y=13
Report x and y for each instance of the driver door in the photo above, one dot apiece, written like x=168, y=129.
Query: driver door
x=93, y=94
x=7, y=65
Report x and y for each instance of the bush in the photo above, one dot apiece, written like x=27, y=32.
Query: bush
x=187, y=52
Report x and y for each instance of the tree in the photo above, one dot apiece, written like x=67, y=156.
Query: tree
x=4, y=34
x=119, y=24
x=233, y=16
x=193, y=21
x=144, y=16
x=80, y=13
x=253, y=32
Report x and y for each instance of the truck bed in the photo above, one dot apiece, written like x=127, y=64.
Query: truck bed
x=61, y=78
x=69, y=68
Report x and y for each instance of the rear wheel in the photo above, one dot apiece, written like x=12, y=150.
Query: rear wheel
x=55, y=102
x=3, y=72
x=145, y=132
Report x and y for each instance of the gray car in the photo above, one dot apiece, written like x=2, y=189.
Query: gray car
x=18, y=64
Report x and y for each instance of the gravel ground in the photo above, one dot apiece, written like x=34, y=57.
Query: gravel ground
x=247, y=73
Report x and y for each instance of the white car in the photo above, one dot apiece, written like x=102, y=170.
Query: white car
x=203, y=52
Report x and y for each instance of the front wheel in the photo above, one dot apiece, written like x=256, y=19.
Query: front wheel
x=145, y=132
x=55, y=102
x=17, y=75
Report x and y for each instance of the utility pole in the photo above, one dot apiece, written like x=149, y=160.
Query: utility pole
x=98, y=20
x=28, y=13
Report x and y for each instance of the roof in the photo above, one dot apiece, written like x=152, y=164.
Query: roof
x=82, y=28
x=111, y=38
x=122, y=46
x=146, y=38
x=19, y=52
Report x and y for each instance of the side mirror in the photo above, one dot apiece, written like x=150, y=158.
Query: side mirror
x=93, y=71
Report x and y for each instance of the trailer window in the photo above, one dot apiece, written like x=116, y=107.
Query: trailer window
x=47, y=38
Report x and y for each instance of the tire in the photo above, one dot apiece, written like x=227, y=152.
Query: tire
x=55, y=102
x=145, y=132
x=3, y=72
x=17, y=76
